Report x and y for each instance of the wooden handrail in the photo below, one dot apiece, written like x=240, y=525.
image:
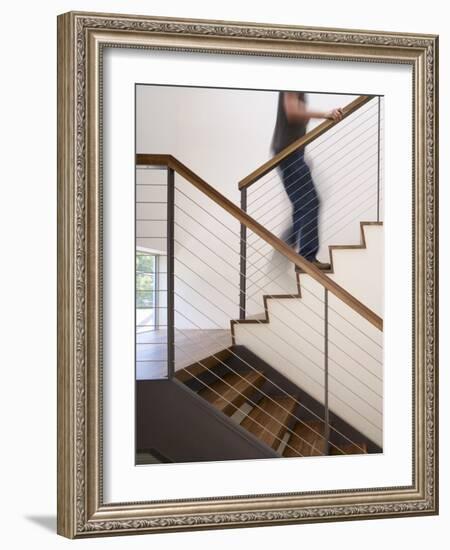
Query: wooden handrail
x=261, y=231
x=302, y=142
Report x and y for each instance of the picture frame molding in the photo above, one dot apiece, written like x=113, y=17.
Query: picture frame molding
x=81, y=39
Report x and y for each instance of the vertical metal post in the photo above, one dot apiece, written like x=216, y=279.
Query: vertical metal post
x=170, y=273
x=327, y=412
x=243, y=262
x=378, y=166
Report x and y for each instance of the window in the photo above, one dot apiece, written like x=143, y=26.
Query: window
x=146, y=291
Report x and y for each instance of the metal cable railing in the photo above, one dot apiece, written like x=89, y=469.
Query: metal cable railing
x=359, y=178
x=273, y=216
x=280, y=390
x=223, y=243
x=259, y=391
x=359, y=167
x=330, y=233
x=304, y=373
x=204, y=257
x=338, y=153
x=204, y=281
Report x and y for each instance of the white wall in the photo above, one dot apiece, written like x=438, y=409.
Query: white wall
x=223, y=134
x=344, y=167
x=293, y=342
x=361, y=270
x=28, y=504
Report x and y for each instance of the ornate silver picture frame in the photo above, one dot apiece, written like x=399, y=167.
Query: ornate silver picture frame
x=83, y=39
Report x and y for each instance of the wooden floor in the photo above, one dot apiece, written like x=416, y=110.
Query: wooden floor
x=190, y=346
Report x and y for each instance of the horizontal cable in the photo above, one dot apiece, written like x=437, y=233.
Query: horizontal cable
x=240, y=215
x=151, y=220
x=151, y=202
x=314, y=414
x=296, y=185
x=293, y=211
x=291, y=234
x=276, y=351
x=237, y=409
x=274, y=384
x=364, y=191
x=326, y=187
x=325, y=219
x=318, y=143
x=330, y=307
x=240, y=239
x=289, y=293
x=294, y=348
x=247, y=399
x=288, y=326
x=290, y=311
x=335, y=233
x=312, y=148
x=330, y=156
x=296, y=181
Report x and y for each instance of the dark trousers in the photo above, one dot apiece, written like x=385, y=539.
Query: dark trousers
x=302, y=193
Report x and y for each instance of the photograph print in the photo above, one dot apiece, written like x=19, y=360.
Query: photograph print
x=259, y=274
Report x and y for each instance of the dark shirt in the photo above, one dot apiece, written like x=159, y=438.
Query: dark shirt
x=286, y=132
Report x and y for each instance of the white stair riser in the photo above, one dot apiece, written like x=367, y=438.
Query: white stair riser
x=293, y=343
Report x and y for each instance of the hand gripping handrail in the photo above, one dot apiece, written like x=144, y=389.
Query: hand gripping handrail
x=171, y=162
x=302, y=142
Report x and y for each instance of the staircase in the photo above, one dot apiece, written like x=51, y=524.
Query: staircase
x=293, y=324
x=276, y=405
x=303, y=374
x=359, y=267
x=252, y=394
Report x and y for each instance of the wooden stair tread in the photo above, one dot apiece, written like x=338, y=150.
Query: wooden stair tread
x=350, y=449
x=268, y=420
x=305, y=439
x=198, y=368
x=230, y=392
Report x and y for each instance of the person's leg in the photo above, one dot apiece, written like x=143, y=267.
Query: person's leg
x=290, y=169
x=308, y=213
x=302, y=193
